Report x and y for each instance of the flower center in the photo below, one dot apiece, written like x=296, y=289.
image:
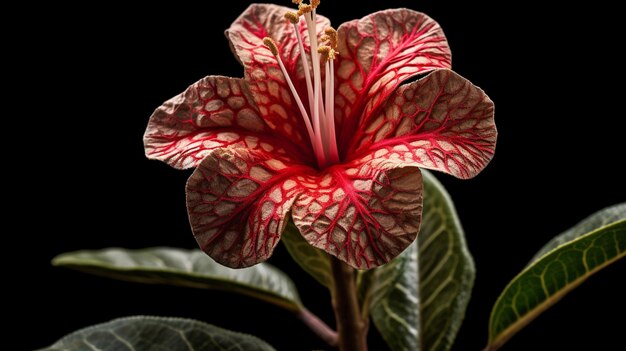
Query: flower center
x=320, y=118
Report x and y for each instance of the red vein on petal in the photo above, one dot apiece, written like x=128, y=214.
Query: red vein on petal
x=420, y=48
x=363, y=212
x=237, y=203
x=441, y=122
x=211, y=113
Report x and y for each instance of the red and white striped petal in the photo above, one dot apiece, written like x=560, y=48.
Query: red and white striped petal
x=377, y=53
x=364, y=213
x=237, y=200
x=266, y=81
x=212, y=113
x=441, y=122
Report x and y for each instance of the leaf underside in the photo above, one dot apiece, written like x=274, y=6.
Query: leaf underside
x=311, y=259
x=188, y=268
x=567, y=261
x=419, y=299
x=143, y=333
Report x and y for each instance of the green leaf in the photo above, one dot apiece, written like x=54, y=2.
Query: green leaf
x=593, y=222
x=550, y=277
x=418, y=300
x=157, y=333
x=188, y=268
x=312, y=260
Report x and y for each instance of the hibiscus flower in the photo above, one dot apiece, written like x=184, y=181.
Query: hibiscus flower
x=328, y=127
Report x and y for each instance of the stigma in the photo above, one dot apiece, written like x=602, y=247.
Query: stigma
x=319, y=118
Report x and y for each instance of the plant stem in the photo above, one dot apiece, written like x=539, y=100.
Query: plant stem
x=318, y=327
x=351, y=327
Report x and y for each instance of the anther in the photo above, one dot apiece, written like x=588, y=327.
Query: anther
x=324, y=49
x=271, y=44
x=292, y=17
x=304, y=8
x=297, y=2
x=327, y=52
x=315, y=3
x=331, y=34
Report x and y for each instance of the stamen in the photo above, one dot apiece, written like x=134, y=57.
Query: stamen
x=319, y=108
x=327, y=52
x=317, y=103
x=321, y=125
x=330, y=108
x=293, y=18
x=271, y=44
x=315, y=142
x=331, y=34
x=324, y=49
x=304, y=9
x=328, y=55
x=331, y=54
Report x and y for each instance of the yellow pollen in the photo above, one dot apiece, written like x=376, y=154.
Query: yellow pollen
x=304, y=8
x=327, y=52
x=315, y=3
x=324, y=49
x=271, y=44
x=331, y=35
x=297, y=2
x=292, y=17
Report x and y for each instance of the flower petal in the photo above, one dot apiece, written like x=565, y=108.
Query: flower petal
x=237, y=200
x=267, y=82
x=212, y=113
x=258, y=21
x=377, y=53
x=364, y=213
x=441, y=122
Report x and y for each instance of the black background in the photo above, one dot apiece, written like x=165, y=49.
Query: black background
x=93, y=78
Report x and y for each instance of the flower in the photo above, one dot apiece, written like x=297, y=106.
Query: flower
x=346, y=167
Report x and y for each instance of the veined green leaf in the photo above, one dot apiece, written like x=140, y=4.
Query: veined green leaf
x=591, y=223
x=312, y=260
x=157, y=333
x=418, y=300
x=559, y=270
x=189, y=268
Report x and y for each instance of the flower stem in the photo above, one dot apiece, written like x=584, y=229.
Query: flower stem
x=351, y=326
x=318, y=327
